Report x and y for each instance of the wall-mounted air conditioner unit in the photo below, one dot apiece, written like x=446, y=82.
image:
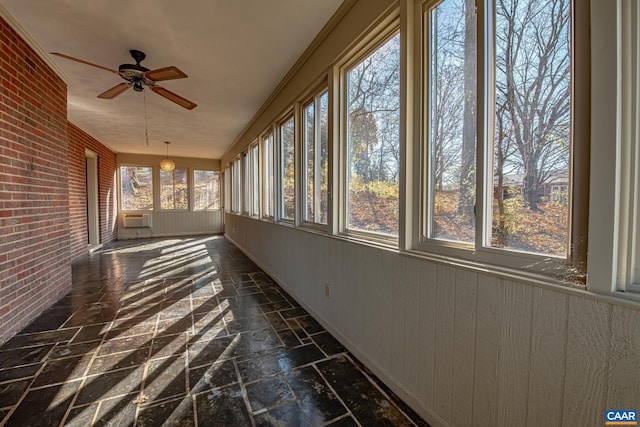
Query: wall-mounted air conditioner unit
x=136, y=220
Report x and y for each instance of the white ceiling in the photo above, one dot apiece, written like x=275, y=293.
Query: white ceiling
x=235, y=53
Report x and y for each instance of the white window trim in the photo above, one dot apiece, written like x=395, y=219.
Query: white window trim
x=153, y=190
x=477, y=251
x=385, y=28
x=236, y=185
x=189, y=186
x=226, y=188
x=604, y=218
x=628, y=142
x=290, y=114
x=264, y=199
x=246, y=182
x=313, y=99
x=192, y=192
x=254, y=171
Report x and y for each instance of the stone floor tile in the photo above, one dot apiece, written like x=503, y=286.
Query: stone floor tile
x=351, y=384
x=110, y=384
x=63, y=370
x=10, y=393
x=118, y=411
x=166, y=378
x=156, y=333
x=112, y=362
x=178, y=413
x=23, y=356
x=268, y=393
x=328, y=344
x=212, y=376
x=81, y=416
x=223, y=407
x=44, y=406
x=286, y=415
x=18, y=372
x=118, y=345
x=314, y=396
x=41, y=338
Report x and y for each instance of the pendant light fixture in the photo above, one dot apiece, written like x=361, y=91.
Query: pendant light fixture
x=167, y=164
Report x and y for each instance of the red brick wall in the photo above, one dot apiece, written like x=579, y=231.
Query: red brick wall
x=35, y=268
x=107, y=205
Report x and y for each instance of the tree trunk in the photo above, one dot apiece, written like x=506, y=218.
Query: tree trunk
x=467, y=166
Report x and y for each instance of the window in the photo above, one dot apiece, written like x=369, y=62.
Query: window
x=174, y=190
x=372, y=163
x=628, y=275
x=452, y=123
x=254, y=160
x=267, y=175
x=227, y=188
x=315, y=121
x=287, y=155
x=236, y=186
x=206, y=189
x=136, y=188
x=522, y=202
x=246, y=184
x=532, y=124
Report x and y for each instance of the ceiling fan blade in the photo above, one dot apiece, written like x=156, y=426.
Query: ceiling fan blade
x=62, y=55
x=173, y=97
x=166, y=73
x=115, y=91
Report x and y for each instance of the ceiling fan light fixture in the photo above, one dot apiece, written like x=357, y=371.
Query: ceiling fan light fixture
x=167, y=164
x=137, y=86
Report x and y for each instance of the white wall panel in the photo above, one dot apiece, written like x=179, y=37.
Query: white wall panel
x=489, y=317
x=426, y=337
x=548, y=350
x=464, y=325
x=460, y=347
x=624, y=386
x=175, y=223
x=514, y=355
x=445, y=312
x=588, y=352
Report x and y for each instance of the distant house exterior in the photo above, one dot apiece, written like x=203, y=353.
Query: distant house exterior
x=555, y=188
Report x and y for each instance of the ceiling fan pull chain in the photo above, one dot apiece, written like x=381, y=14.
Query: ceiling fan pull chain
x=146, y=126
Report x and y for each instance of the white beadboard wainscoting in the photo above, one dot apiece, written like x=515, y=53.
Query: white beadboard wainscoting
x=462, y=347
x=175, y=223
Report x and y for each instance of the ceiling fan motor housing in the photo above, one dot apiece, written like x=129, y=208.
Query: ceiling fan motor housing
x=134, y=73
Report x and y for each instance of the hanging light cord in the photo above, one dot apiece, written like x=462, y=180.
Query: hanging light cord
x=146, y=126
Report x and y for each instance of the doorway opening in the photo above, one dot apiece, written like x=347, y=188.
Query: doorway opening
x=93, y=213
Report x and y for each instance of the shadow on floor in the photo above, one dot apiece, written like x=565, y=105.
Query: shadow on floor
x=181, y=331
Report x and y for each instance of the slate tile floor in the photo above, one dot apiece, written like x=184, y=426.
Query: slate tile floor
x=184, y=332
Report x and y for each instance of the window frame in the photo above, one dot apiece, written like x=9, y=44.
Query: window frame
x=193, y=189
x=386, y=28
x=226, y=188
x=246, y=190
x=153, y=188
x=314, y=99
x=254, y=177
x=189, y=186
x=289, y=115
x=236, y=185
x=569, y=269
x=628, y=140
x=267, y=174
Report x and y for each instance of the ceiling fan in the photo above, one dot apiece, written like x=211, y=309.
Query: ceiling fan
x=138, y=76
